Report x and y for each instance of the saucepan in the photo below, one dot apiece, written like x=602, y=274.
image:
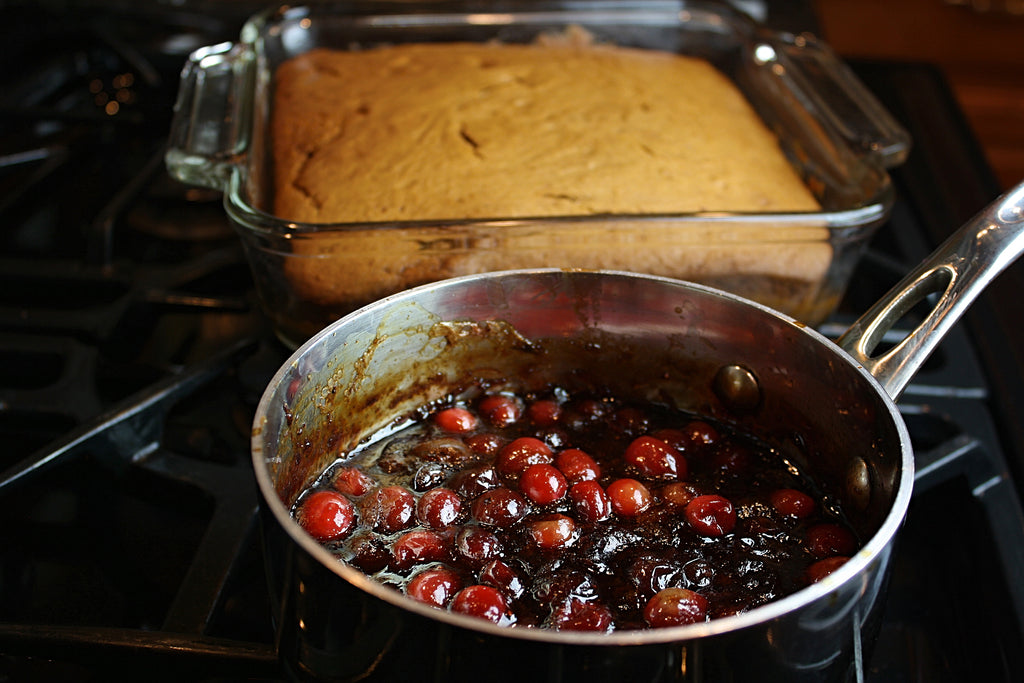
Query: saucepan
x=828, y=407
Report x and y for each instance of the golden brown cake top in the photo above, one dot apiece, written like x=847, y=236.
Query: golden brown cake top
x=461, y=130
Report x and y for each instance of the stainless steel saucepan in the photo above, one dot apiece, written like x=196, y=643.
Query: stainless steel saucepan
x=828, y=407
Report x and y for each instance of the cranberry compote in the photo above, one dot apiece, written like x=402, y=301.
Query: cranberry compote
x=575, y=512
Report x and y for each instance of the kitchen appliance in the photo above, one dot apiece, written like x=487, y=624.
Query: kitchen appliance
x=134, y=353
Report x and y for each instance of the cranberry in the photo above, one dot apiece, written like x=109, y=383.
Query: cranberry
x=579, y=615
x=577, y=465
x=822, y=568
x=792, y=503
x=471, y=482
x=499, y=575
x=455, y=420
x=545, y=412
x=435, y=586
x=417, y=547
x=581, y=414
x=484, y=443
x=369, y=553
x=652, y=571
x=483, y=602
x=389, y=509
x=556, y=584
x=429, y=475
x=711, y=515
x=352, y=481
x=732, y=459
x=500, y=410
x=592, y=409
x=676, y=438
x=477, y=545
x=438, y=508
x=826, y=539
x=327, y=515
x=554, y=531
x=542, y=484
x=516, y=456
x=629, y=497
x=500, y=507
x=699, y=573
x=675, y=607
x=701, y=435
x=446, y=450
x=678, y=494
x=655, y=458
x=591, y=502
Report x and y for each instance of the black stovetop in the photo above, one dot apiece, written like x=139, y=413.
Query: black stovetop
x=133, y=354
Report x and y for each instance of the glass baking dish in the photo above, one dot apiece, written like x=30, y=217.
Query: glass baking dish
x=838, y=138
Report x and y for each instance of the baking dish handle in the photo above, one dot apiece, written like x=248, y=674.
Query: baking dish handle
x=210, y=128
x=838, y=95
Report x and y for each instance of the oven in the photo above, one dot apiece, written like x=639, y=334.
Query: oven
x=134, y=352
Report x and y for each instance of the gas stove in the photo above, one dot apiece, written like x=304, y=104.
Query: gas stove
x=134, y=353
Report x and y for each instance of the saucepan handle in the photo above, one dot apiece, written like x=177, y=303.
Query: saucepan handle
x=958, y=271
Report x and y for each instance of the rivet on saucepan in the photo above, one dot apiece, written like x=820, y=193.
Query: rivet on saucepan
x=737, y=387
x=858, y=484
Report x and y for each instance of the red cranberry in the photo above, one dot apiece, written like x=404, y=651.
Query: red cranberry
x=701, y=435
x=676, y=438
x=591, y=502
x=446, y=450
x=499, y=575
x=516, y=456
x=484, y=443
x=579, y=615
x=822, y=568
x=655, y=458
x=792, y=503
x=455, y=420
x=542, y=484
x=824, y=540
x=711, y=515
x=327, y=515
x=675, y=607
x=629, y=497
x=577, y=465
x=678, y=494
x=501, y=507
x=389, y=509
x=369, y=553
x=417, y=547
x=428, y=475
x=483, y=602
x=554, y=585
x=438, y=508
x=470, y=483
x=554, y=531
x=500, y=410
x=652, y=571
x=732, y=459
x=545, y=412
x=435, y=586
x=477, y=545
x=592, y=409
x=352, y=481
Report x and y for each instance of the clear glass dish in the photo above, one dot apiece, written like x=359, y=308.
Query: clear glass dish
x=837, y=136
